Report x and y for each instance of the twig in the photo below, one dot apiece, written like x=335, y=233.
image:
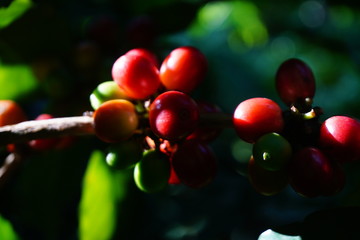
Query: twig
x=49, y=128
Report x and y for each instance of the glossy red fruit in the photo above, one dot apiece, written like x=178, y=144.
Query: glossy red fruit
x=313, y=174
x=145, y=53
x=183, y=69
x=115, y=120
x=340, y=138
x=194, y=163
x=255, y=117
x=295, y=81
x=137, y=75
x=173, y=115
x=46, y=143
x=265, y=182
x=205, y=132
x=11, y=113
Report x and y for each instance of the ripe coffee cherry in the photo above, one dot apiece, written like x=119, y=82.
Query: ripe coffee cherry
x=313, y=174
x=115, y=120
x=152, y=173
x=45, y=143
x=255, y=117
x=106, y=91
x=183, y=69
x=137, y=75
x=145, y=53
x=295, y=82
x=340, y=138
x=194, y=163
x=265, y=182
x=124, y=154
x=205, y=132
x=272, y=151
x=173, y=115
x=11, y=113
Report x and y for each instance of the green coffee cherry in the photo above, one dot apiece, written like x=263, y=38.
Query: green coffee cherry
x=272, y=151
x=104, y=92
x=124, y=155
x=152, y=173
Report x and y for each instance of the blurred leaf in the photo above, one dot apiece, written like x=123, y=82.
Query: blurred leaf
x=6, y=230
x=98, y=207
x=15, y=80
x=13, y=11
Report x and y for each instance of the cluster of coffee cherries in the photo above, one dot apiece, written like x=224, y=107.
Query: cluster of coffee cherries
x=294, y=146
x=152, y=124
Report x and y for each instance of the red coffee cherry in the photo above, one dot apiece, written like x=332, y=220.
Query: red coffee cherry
x=194, y=163
x=183, y=69
x=11, y=113
x=295, y=82
x=137, y=75
x=145, y=53
x=340, y=138
x=265, y=182
x=115, y=120
x=46, y=143
x=255, y=117
x=313, y=174
x=173, y=115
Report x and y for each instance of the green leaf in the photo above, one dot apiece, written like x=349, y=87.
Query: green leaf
x=15, y=80
x=6, y=230
x=13, y=11
x=102, y=189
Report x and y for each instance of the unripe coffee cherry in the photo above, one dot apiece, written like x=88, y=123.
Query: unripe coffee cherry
x=255, y=117
x=340, y=138
x=106, y=91
x=115, y=120
x=124, y=154
x=152, y=173
x=173, y=115
x=183, y=69
x=272, y=151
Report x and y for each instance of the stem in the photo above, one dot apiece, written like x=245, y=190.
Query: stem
x=49, y=128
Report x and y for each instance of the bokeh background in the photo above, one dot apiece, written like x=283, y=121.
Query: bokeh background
x=54, y=53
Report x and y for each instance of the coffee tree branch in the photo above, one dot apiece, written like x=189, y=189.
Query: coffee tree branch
x=56, y=127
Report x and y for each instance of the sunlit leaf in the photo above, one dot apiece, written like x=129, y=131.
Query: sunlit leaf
x=98, y=202
x=103, y=191
x=6, y=230
x=13, y=11
x=15, y=80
